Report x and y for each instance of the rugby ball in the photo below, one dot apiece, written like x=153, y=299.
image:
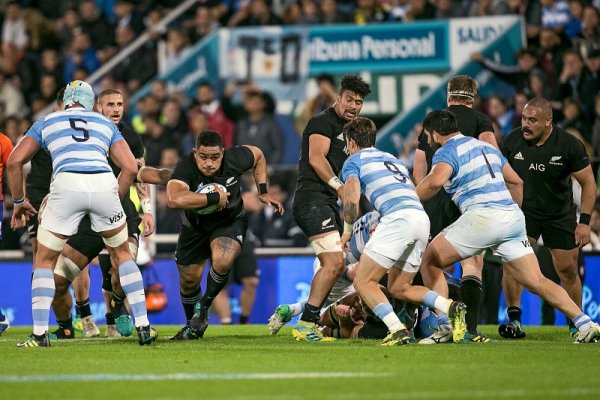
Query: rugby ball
x=205, y=189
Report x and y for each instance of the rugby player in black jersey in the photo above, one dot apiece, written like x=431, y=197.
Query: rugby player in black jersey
x=315, y=206
x=217, y=236
x=442, y=211
x=86, y=244
x=546, y=157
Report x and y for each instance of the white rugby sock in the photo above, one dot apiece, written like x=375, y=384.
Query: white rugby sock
x=42, y=293
x=133, y=286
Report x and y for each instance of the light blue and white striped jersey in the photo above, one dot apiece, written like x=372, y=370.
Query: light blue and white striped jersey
x=383, y=179
x=476, y=180
x=361, y=232
x=78, y=140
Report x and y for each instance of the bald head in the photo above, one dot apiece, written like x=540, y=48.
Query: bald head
x=542, y=104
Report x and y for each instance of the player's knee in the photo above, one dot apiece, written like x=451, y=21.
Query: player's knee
x=399, y=289
x=331, y=243
x=188, y=283
x=250, y=282
x=61, y=284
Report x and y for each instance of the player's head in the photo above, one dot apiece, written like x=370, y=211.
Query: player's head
x=462, y=89
x=208, y=152
x=536, y=119
x=59, y=99
x=111, y=104
x=351, y=97
x=439, y=124
x=360, y=134
x=79, y=93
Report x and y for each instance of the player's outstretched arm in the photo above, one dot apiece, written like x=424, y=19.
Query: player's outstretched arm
x=318, y=147
x=419, y=166
x=122, y=156
x=260, y=178
x=585, y=177
x=433, y=182
x=514, y=183
x=179, y=196
x=350, y=199
x=154, y=176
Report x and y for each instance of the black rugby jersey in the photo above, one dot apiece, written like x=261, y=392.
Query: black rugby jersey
x=236, y=161
x=327, y=123
x=546, y=170
x=38, y=180
x=134, y=141
x=470, y=123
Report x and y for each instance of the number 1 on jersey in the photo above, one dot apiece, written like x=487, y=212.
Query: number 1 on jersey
x=488, y=165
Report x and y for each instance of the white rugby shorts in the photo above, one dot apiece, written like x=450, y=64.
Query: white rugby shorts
x=73, y=195
x=400, y=238
x=502, y=230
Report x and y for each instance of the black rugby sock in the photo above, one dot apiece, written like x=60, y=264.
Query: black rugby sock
x=189, y=302
x=243, y=319
x=514, y=314
x=470, y=294
x=215, y=282
x=65, y=323
x=110, y=320
x=311, y=313
x=84, y=307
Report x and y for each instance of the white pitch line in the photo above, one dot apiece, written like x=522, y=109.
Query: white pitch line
x=185, y=377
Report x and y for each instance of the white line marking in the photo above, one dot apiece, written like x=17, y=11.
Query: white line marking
x=186, y=377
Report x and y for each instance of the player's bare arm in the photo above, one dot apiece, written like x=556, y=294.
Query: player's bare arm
x=260, y=178
x=318, y=147
x=351, y=197
x=585, y=177
x=154, y=176
x=419, y=166
x=144, y=195
x=514, y=183
x=121, y=155
x=433, y=182
x=181, y=197
x=489, y=137
x=21, y=155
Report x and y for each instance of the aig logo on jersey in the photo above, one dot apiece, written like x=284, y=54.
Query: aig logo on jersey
x=556, y=160
x=537, y=167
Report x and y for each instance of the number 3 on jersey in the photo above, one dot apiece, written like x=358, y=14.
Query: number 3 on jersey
x=80, y=126
x=393, y=168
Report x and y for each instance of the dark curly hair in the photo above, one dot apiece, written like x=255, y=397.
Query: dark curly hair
x=355, y=84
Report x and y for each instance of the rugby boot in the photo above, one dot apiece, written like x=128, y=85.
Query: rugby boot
x=111, y=331
x=36, y=341
x=281, y=316
x=443, y=335
x=62, y=334
x=456, y=315
x=89, y=327
x=77, y=324
x=589, y=335
x=185, y=333
x=309, y=332
x=123, y=321
x=199, y=321
x=512, y=330
x=476, y=337
x=400, y=337
x=146, y=335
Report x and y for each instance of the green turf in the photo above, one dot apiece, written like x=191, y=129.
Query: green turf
x=547, y=365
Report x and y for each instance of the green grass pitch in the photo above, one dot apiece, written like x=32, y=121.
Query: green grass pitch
x=243, y=362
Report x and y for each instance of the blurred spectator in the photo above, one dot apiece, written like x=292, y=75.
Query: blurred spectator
x=420, y=9
x=309, y=12
x=11, y=99
x=50, y=64
x=176, y=48
x=589, y=38
x=155, y=140
x=573, y=27
x=331, y=14
x=480, y=8
x=14, y=38
x=93, y=22
x=68, y=27
x=205, y=22
x=369, y=11
x=519, y=100
x=574, y=119
x=498, y=111
x=206, y=101
x=275, y=230
x=406, y=146
x=127, y=15
x=550, y=61
x=596, y=127
x=82, y=54
x=555, y=14
x=12, y=129
x=449, y=9
x=323, y=100
x=198, y=123
x=516, y=75
x=256, y=13
x=174, y=121
x=137, y=68
x=577, y=82
x=158, y=90
x=259, y=128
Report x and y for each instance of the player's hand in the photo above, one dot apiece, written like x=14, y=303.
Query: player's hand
x=345, y=240
x=148, y=224
x=223, y=197
x=20, y=211
x=17, y=223
x=582, y=235
x=268, y=200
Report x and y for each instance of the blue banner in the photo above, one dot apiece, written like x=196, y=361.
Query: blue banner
x=282, y=280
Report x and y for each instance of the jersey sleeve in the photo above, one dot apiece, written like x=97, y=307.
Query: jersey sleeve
x=484, y=124
x=578, y=157
x=116, y=134
x=350, y=168
x=137, y=146
x=239, y=158
x=447, y=155
x=318, y=125
x=35, y=131
x=184, y=171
